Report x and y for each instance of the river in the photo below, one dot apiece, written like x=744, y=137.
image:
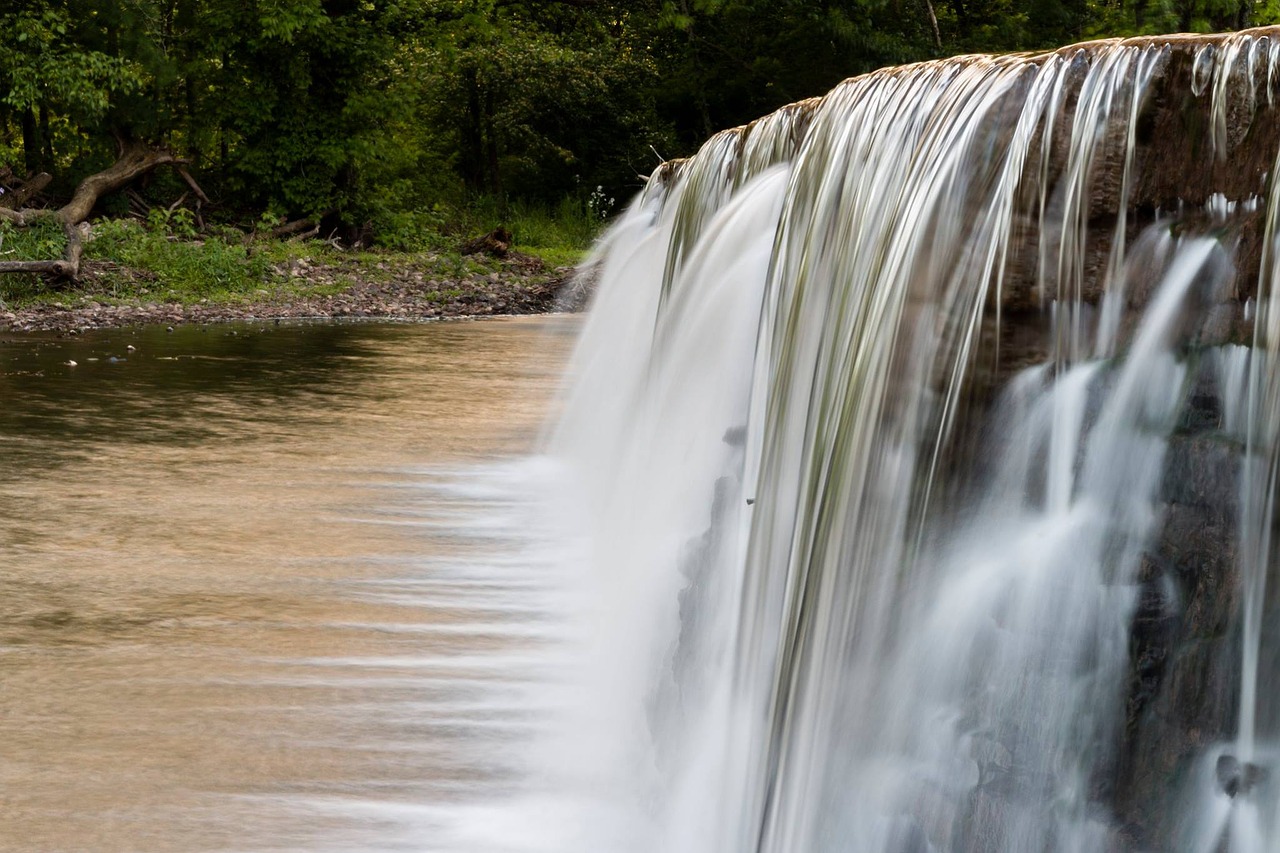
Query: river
x=262, y=588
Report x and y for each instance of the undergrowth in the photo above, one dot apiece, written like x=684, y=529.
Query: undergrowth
x=165, y=258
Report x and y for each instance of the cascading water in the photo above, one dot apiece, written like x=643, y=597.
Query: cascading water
x=923, y=454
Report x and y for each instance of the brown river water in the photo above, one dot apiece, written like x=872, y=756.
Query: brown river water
x=253, y=583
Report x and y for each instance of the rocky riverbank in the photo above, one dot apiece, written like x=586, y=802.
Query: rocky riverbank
x=395, y=287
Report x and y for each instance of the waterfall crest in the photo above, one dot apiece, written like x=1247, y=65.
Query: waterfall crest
x=925, y=440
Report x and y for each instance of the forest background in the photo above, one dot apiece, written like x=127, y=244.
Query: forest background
x=412, y=124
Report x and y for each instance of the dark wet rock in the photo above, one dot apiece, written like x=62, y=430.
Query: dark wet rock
x=1235, y=778
x=1182, y=693
x=1203, y=410
x=1203, y=471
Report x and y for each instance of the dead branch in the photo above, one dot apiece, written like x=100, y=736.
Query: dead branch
x=25, y=217
x=294, y=227
x=136, y=159
x=57, y=268
x=21, y=195
x=76, y=235
x=305, y=235
x=191, y=182
x=496, y=243
x=137, y=202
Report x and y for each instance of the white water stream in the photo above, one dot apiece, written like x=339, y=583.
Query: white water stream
x=854, y=578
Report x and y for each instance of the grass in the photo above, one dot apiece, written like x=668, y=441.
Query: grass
x=165, y=260
x=560, y=235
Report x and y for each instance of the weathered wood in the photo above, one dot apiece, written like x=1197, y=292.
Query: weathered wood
x=295, y=227
x=25, y=217
x=136, y=160
x=58, y=268
x=18, y=198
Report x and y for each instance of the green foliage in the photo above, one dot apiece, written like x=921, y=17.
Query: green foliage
x=43, y=65
x=410, y=230
x=211, y=268
x=179, y=222
x=421, y=122
x=41, y=240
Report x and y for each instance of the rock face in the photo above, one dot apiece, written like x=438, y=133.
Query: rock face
x=1185, y=658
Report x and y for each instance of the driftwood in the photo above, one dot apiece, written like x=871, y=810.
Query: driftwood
x=136, y=159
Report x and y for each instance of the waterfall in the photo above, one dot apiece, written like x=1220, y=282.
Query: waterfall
x=923, y=448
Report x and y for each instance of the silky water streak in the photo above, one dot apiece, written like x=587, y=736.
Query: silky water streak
x=922, y=452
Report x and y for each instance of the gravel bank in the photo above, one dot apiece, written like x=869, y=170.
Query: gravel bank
x=307, y=289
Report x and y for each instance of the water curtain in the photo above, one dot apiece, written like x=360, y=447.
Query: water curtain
x=925, y=439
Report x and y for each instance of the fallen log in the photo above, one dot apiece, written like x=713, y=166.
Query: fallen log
x=135, y=160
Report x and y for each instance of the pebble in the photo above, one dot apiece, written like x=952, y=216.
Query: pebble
x=519, y=289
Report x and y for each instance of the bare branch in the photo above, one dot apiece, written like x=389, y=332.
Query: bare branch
x=294, y=227
x=191, y=182
x=26, y=216
x=306, y=235
x=58, y=268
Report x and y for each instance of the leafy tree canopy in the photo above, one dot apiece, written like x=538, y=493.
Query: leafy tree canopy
x=365, y=109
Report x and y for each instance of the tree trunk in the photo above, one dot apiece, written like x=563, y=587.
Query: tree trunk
x=472, y=153
x=491, y=148
x=46, y=138
x=31, y=142
x=933, y=24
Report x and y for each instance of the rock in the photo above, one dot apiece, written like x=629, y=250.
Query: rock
x=1202, y=471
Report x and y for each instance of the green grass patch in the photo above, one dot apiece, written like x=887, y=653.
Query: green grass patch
x=183, y=270
x=164, y=259
x=554, y=256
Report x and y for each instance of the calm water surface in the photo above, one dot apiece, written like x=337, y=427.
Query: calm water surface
x=267, y=590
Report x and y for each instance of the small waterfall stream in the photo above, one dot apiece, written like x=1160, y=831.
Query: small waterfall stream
x=923, y=455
